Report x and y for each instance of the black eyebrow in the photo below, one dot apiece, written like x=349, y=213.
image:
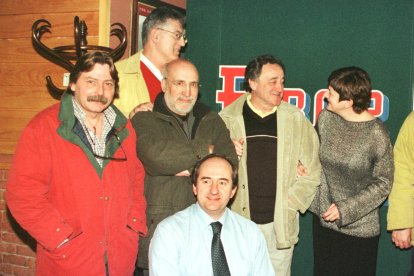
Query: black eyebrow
x=221, y=178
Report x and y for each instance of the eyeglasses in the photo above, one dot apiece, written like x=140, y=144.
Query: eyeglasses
x=177, y=35
x=116, y=159
x=184, y=85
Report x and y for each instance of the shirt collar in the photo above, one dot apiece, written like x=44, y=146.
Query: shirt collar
x=206, y=220
x=109, y=113
x=257, y=111
x=108, y=122
x=151, y=67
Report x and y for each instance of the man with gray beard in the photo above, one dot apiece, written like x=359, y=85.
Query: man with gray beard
x=170, y=140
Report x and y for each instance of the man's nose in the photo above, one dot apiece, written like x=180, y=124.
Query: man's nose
x=100, y=89
x=279, y=87
x=214, y=188
x=187, y=90
x=182, y=41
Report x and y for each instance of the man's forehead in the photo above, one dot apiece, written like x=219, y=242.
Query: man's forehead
x=273, y=69
x=269, y=76
x=98, y=71
x=183, y=71
x=216, y=167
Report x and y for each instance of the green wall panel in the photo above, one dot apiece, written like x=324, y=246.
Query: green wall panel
x=313, y=38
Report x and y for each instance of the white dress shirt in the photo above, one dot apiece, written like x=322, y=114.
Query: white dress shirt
x=181, y=245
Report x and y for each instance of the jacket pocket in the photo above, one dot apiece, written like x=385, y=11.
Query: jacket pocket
x=293, y=220
x=67, y=250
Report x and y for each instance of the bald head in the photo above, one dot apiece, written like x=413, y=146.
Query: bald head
x=180, y=86
x=179, y=64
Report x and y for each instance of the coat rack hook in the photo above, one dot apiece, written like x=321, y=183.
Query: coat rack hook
x=67, y=55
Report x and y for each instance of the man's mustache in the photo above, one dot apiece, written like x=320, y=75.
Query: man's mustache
x=97, y=98
x=185, y=99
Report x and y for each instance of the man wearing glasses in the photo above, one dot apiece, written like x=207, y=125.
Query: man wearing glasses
x=76, y=185
x=170, y=140
x=163, y=36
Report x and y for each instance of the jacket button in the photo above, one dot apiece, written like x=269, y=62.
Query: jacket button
x=134, y=220
x=57, y=229
x=243, y=186
x=244, y=209
x=107, y=198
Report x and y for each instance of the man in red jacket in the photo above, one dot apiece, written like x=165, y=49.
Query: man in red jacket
x=76, y=184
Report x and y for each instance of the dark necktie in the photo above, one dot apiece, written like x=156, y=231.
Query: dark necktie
x=218, y=257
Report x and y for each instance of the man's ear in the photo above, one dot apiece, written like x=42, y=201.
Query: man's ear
x=73, y=87
x=164, y=85
x=349, y=103
x=194, y=190
x=154, y=35
x=252, y=84
x=233, y=192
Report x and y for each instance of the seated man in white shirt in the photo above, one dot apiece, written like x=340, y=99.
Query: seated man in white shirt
x=183, y=244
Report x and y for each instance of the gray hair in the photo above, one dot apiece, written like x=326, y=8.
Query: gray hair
x=158, y=17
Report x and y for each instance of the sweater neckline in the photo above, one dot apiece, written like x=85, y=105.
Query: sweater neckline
x=356, y=123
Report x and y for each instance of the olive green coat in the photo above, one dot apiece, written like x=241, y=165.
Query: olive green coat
x=165, y=150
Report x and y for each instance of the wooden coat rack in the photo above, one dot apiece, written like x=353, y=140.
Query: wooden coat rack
x=66, y=56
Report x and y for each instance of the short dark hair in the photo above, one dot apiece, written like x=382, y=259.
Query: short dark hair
x=86, y=63
x=352, y=83
x=158, y=17
x=196, y=169
x=254, y=68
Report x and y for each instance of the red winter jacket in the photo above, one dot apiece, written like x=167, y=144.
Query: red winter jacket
x=57, y=190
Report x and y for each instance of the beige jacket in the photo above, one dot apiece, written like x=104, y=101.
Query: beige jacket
x=297, y=141
x=132, y=87
x=401, y=200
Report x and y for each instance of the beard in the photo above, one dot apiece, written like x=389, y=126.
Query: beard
x=184, y=108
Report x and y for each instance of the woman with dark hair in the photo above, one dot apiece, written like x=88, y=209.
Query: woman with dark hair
x=357, y=173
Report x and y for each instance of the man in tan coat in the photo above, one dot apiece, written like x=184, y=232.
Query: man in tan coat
x=163, y=37
x=271, y=137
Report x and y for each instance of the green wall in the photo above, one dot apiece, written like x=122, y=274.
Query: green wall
x=312, y=38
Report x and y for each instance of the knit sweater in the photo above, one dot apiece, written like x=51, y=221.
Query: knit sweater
x=261, y=149
x=357, y=173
